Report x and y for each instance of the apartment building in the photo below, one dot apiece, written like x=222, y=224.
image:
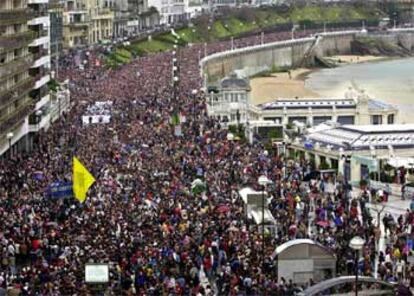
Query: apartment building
x=171, y=11
x=40, y=69
x=56, y=28
x=87, y=22
x=16, y=83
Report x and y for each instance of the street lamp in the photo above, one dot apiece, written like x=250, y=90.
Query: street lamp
x=263, y=181
x=9, y=138
x=194, y=93
x=356, y=244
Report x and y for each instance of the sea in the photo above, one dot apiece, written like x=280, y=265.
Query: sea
x=391, y=81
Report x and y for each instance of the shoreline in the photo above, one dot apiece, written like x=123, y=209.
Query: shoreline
x=292, y=84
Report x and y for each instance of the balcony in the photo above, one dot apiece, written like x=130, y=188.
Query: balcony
x=15, y=16
x=81, y=24
x=41, y=80
x=10, y=121
x=43, y=60
x=40, y=20
x=103, y=13
x=40, y=40
x=16, y=91
x=42, y=52
x=14, y=41
x=37, y=1
x=16, y=66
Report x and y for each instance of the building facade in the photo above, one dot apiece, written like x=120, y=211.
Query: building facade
x=87, y=22
x=56, y=28
x=232, y=101
x=40, y=69
x=171, y=11
x=356, y=151
x=233, y=95
x=16, y=83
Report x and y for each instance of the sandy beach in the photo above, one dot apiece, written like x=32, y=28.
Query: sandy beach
x=353, y=59
x=281, y=85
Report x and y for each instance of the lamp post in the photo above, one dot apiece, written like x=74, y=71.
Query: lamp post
x=194, y=93
x=356, y=244
x=9, y=138
x=263, y=181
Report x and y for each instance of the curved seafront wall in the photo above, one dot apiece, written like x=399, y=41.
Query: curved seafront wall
x=251, y=60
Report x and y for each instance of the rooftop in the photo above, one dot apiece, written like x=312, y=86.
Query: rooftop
x=323, y=102
x=234, y=82
x=363, y=137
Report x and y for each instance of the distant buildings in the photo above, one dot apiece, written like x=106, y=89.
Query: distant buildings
x=231, y=102
x=356, y=151
x=87, y=22
x=56, y=28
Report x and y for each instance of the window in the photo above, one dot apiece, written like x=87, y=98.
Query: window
x=17, y=28
x=390, y=119
x=17, y=53
x=376, y=119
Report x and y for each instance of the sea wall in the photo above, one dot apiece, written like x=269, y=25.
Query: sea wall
x=403, y=38
x=249, y=61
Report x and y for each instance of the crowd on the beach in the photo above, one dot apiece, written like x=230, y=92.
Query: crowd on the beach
x=141, y=216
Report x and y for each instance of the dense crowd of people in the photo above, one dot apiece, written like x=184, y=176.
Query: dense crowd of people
x=141, y=216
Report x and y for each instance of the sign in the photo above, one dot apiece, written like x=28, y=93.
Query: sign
x=178, y=131
x=59, y=190
x=96, y=273
x=100, y=112
x=90, y=119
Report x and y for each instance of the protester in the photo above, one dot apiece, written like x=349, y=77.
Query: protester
x=141, y=216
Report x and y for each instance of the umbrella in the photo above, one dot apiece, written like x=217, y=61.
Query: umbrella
x=323, y=224
x=198, y=186
x=223, y=209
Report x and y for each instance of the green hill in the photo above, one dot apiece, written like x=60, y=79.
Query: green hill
x=242, y=21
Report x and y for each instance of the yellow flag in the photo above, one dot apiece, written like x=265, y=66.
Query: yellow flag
x=82, y=179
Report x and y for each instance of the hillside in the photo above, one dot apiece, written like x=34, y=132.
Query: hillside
x=244, y=21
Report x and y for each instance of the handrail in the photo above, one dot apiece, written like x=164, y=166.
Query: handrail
x=16, y=91
x=322, y=286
